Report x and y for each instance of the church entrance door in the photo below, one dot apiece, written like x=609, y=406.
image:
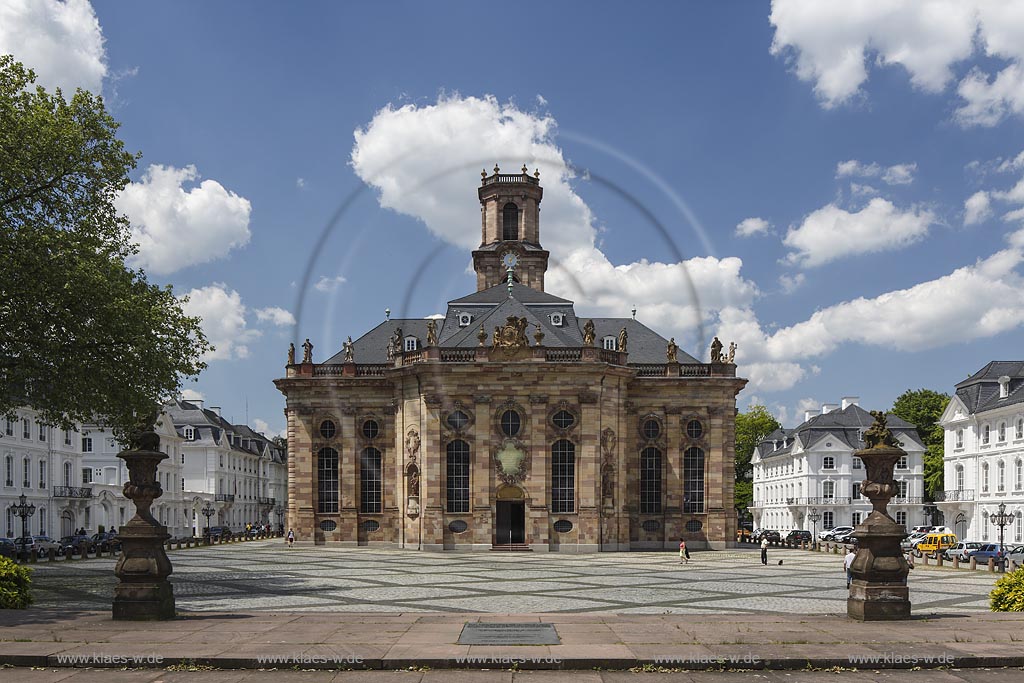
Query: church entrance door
x=510, y=525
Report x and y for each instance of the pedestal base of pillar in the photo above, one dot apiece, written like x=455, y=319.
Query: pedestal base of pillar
x=144, y=601
x=878, y=601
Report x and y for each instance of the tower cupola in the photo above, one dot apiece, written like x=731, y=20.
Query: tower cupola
x=510, y=230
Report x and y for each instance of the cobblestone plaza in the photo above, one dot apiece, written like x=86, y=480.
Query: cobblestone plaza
x=264, y=575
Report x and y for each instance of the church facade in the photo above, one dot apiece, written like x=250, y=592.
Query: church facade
x=511, y=423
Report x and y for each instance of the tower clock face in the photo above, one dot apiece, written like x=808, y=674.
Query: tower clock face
x=509, y=259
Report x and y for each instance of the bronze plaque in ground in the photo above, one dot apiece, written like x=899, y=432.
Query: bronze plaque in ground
x=528, y=633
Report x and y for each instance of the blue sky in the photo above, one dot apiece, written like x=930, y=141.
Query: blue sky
x=866, y=272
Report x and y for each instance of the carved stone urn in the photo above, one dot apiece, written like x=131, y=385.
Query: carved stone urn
x=879, y=589
x=143, y=592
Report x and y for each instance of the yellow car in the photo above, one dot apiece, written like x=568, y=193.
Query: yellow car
x=933, y=544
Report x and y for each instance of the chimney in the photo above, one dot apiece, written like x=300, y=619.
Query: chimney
x=808, y=414
x=828, y=407
x=850, y=401
x=197, y=402
x=216, y=409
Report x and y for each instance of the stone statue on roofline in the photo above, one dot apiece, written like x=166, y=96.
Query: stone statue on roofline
x=623, y=340
x=347, y=346
x=307, y=351
x=431, y=333
x=588, y=333
x=732, y=352
x=716, y=351
x=672, y=352
x=291, y=353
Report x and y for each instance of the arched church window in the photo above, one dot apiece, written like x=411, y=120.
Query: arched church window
x=327, y=480
x=458, y=476
x=693, y=480
x=563, y=476
x=650, y=481
x=370, y=480
x=510, y=222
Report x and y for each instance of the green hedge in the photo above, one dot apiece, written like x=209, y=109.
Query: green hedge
x=15, y=585
x=1008, y=595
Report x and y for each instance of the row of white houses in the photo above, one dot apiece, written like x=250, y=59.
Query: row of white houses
x=75, y=479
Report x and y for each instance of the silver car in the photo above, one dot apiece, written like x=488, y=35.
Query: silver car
x=961, y=550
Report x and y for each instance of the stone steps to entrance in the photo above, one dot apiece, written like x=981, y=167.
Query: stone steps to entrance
x=512, y=548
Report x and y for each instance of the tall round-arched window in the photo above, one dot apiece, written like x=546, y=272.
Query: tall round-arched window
x=650, y=481
x=458, y=476
x=563, y=476
x=510, y=222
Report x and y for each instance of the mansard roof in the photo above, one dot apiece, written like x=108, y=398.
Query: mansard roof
x=980, y=391
x=491, y=308
x=845, y=425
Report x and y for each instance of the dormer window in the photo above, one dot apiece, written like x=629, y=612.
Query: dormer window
x=609, y=343
x=465, y=319
x=190, y=433
x=557, y=319
x=411, y=343
x=1004, y=386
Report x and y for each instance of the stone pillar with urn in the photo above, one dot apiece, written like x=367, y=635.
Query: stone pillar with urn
x=879, y=589
x=143, y=592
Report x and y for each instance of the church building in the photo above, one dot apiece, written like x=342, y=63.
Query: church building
x=512, y=424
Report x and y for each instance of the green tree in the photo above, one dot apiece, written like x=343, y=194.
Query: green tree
x=751, y=428
x=923, y=408
x=82, y=335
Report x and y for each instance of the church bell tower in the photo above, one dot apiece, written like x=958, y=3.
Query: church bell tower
x=510, y=224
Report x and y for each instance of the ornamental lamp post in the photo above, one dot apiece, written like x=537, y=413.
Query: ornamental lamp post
x=1000, y=519
x=207, y=512
x=813, y=518
x=24, y=510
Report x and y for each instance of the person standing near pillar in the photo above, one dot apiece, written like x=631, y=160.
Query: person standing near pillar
x=764, y=551
x=847, y=564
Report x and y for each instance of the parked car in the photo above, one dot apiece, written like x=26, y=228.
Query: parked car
x=772, y=535
x=72, y=545
x=218, y=532
x=106, y=541
x=799, y=536
x=843, y=536
x=934, y=544
x=830, y=534
x=1016, y=555
x=44, y=543
x=911, y=541
x=744, y=536
x=961, y=550
x=8, y=549
x=985, y=552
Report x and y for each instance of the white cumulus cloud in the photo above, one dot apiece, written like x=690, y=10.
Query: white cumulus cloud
x=831, y=233
x=223, y=320
x=60, y=40
x=752, y=226
x=264, y=428
x=398, y=154
x=329, y=284
x=175, y=227
x=192, y=395
x=275, y=316
x=897, y=174
x=832, y=45
x=977, y=208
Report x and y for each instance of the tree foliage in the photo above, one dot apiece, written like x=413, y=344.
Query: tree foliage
x=751, y=428
x=82, y=336
x=923, y=408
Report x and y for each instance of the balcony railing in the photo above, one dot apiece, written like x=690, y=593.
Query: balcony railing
x=906, y=500
x=956, y=496
x=72, y=492
x=224, y=498
x=266, y=501
x=835, y=500
x=510, y=178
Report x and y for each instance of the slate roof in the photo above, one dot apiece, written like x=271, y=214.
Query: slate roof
x=845, y=425
x=980, y=391
x=492, y=307
x=210, y=425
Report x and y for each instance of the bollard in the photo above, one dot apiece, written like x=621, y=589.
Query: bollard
x=924, y=559
x=956, y=562
x=51, y=555
x=991, y=564
x=938, y=560
x=835, y=549
x=33, y=556
x=974, y=563
x=83, y=550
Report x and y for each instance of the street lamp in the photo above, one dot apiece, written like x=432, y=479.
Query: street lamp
x=24, y=510
x=208, y=511
x=1000, y=519
x=813, y=516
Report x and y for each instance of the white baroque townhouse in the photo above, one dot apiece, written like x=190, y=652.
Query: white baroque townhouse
x=984, y=453
x=246, y=473
x=812, y=469
x=43, y=463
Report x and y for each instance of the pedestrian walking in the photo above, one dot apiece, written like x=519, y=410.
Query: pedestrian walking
x=291, y=538
x=684, y=552
x=764, y=551
x=848, y=565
